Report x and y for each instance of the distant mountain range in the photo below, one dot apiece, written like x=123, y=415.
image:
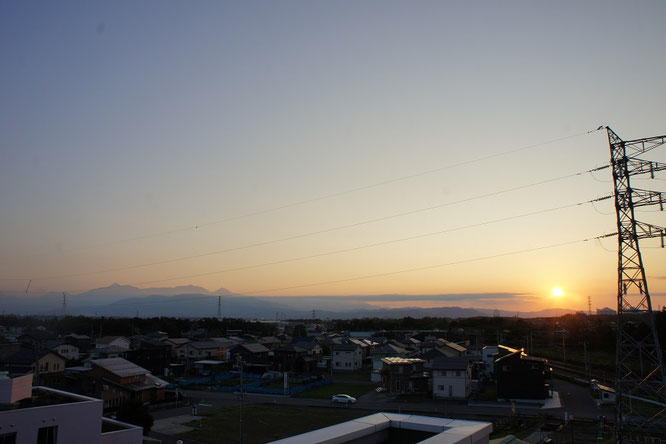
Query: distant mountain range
x=193, y=301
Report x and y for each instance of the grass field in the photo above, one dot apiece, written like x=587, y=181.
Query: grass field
x=265, y=423
x=326, y=391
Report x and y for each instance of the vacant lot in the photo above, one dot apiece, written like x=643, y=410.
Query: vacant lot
x=265, y=423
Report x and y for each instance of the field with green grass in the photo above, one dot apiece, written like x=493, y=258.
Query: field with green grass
x=265, y=423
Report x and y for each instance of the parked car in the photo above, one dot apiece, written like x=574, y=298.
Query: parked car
x=344, y=399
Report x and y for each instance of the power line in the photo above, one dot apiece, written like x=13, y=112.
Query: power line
x=370, y=276
x=332, y=195
x=430, y=267
x=392, y=241
x=327, y=230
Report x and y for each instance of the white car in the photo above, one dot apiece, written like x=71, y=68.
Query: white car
x=344, y=399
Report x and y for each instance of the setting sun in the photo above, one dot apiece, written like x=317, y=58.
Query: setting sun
x=557, y=292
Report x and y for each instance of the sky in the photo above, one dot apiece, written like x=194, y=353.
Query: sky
x=283, y=143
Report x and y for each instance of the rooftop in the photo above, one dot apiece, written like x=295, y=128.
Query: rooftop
x=450, y=364
x=44, y=396
x=383, y=427
x=120, y=367
x=397, y=360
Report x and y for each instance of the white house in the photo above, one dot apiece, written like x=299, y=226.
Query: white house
x=67, y=351
x=451, y=378
x=488, y=355
x=346, y=356
x=54, y=416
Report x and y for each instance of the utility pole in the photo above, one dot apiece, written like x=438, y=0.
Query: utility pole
x=640, y=378
x=240, y=364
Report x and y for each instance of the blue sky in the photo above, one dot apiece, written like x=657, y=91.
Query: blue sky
x=121, y=119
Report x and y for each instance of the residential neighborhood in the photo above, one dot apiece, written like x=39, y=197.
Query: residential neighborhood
x=429, y=370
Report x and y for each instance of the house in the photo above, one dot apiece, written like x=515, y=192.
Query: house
x=270, y=342
x=152, y=355
x=452, y=349
x=50, y=362
x=255, y=356
x=313, y=348
x=44, y=415
x=174, y=343
x=108, y=352
x=67, y=351
x=36, y=340
x=488, y=356
x=384, y=351
x=347, y=357
x=20, y=361
x=201, y=350
x=25, y=360
x=522, y=377
x=431, y=355
x=404, y=375
x=451, y=378
x=116, y=380
x=83, y=342
x=113, y=341
x=291, y=358
x=473, y=351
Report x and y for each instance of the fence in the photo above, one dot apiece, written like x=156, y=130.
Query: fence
x=253, y=383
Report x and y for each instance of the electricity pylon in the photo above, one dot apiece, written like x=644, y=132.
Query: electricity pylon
x=640, y=376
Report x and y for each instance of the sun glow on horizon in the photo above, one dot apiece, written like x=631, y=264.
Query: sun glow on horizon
x=557, y=292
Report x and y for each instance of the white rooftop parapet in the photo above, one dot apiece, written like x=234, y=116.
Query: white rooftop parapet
x=447, y=431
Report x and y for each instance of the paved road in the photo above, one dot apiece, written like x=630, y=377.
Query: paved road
x=372, y=402
x=578, y=401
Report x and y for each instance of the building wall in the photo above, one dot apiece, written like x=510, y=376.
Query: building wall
x=14, y=389
x=78, y=422
x=347, y=360
x=50, y=363
x=488, y=359
x=520, y=379
x=446, y=385
x=68, y=351
x=128, y=436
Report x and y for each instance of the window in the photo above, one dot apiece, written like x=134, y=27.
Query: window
x=440, y=388
x=450, y=390
x=47, y=435
x=457, y=372
x=8, y=438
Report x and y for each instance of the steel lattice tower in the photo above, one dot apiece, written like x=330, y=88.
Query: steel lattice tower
x=640, y=375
